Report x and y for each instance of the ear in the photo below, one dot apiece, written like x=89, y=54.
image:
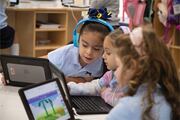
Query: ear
x=133, y=66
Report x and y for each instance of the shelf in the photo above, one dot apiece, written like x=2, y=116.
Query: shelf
x=49, y=30
x=47, y=47
x=175, y=47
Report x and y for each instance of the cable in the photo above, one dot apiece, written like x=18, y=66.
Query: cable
x=72, y=12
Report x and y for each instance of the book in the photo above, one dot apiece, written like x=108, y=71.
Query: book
x=47, y=25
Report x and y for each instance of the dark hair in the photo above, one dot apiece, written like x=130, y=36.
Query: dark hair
x=156, y=67
x=95, y=27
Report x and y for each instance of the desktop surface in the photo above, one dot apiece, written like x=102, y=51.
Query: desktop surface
x=11, y=106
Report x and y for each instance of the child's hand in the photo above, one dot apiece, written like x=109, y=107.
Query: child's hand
x=79, y=79
x=102, y=90
x=2, y=79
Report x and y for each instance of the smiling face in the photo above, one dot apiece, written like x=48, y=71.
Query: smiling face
x=109, y=56
x=90, y=47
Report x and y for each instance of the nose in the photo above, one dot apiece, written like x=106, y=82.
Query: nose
x=89, y=51
x=104, y=56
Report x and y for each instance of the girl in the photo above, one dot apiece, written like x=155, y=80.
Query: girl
x=146, y=66
x=83, y=63
x=106, y=86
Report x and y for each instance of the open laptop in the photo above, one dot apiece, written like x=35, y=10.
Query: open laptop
x=71, y=3
x=46, y=101
x=82, y=104
x=22, y=71
x=14, y=2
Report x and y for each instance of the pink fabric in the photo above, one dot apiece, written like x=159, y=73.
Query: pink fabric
x=139, y=14
x=111, y=96
x=107, y=77
x=136, y=36
x=137, y=17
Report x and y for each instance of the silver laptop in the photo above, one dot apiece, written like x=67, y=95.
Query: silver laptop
x=71, y=3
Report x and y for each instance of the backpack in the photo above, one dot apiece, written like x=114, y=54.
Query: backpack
x=135, y=11
x=173, y=18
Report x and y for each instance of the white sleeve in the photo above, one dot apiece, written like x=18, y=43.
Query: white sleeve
x=56, y=56
x=122, y=111
x=88, y=88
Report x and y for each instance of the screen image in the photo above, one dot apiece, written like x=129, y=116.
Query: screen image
x=67, y=1
x=13, y=1
x=26, y=73
x=46, y=102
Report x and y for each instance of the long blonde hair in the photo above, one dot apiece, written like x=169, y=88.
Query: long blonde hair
x=156, y=67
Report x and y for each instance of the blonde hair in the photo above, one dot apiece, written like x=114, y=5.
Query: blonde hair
x=155, y=67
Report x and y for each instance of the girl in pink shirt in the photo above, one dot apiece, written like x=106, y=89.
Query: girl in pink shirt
x=106, y=86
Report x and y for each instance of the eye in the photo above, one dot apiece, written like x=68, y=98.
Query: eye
x=107, y=52
x=97, y=49
x=84, y=45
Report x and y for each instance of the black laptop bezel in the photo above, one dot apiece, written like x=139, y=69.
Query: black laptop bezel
x=14, y=3
x=69, y=97
x=5, y=59
x=62, y=80
x=25, y=102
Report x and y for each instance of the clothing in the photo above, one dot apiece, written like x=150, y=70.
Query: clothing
x=67, y=60
x=3, y=16
x=111, y=5
x=130, y=107
x=111, y=93
x=6, y=37
x=6, y=32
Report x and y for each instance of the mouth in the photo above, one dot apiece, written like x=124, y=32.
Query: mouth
x=88, y=59
x=105, y=63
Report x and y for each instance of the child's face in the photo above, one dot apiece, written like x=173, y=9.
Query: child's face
x=109, y=56
x=123, y=76
x=90, y=47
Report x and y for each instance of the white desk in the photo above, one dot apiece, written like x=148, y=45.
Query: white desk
x=11, y=107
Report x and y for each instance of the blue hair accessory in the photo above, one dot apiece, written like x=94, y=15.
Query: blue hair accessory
x=95, y=15
x=100, y=13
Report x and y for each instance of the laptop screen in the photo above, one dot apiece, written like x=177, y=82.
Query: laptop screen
x=67, y=1
x=28, y=73
x=23, y=71
x=46, y=102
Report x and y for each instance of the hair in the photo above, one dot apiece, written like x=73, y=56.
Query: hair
x=95, y=27
x=155, y=67
x=114, y=35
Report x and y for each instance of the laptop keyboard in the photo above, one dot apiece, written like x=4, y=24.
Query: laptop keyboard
x=90, y=105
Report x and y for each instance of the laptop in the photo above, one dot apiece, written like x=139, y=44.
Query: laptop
x=82, y=104
x=14, y=2
x=46, y=101
x=71, y=3
x=22, y=71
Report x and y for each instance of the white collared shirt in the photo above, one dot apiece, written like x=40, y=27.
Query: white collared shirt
x=67, y=60
x=131, y=108
x=3, y=16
